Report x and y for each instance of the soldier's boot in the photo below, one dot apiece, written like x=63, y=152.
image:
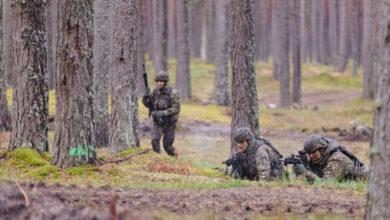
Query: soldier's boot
x=168, y=139
x=156, y=145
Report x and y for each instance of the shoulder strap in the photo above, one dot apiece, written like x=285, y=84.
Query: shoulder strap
x=268, y=142
x=350, y=156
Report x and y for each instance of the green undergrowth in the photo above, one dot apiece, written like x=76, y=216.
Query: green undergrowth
x=150, y=170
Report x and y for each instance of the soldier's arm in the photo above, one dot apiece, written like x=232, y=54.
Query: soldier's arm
x=146, y=100
x=336, y=169
x=175, y=101
x=263, y=164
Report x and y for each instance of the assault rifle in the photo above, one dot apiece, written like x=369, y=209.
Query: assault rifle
x=147, y=91
x=238, y=171
x=301, y=158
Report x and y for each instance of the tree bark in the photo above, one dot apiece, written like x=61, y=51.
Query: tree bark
x=245, y=108
x=221, y=84
x=74, y=88
x=296, y=51
x=343, y=37
x=124, y=121
x=355, y=36
x=323, y=31
x=30, y=111
x=282, y=57
x=171, y=28
x=161, y=35
x=183, y=78
x=306, y=11
x=378, y=188
x=5, y=117
x=8, y=43
x=51, y=26
x=195, y=15
x=210, y=49
x=333, y=30
x=142, y=42
x=368, y=52
x=101, y=62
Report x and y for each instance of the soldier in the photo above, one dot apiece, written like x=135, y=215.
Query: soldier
x=329, y=160
x=256, y=158
x=164, y=106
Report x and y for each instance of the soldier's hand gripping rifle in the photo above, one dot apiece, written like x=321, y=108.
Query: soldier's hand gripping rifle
x=300, y=162
x=159, y=120
x=237, y=171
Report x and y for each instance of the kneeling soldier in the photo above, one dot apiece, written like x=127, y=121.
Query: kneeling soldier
x=329, y=160
x=256, y=158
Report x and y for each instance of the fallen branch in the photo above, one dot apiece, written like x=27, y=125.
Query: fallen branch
x=26, y=200
x=128, y=157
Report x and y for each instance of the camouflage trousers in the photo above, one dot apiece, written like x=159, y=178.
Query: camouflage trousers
x=168, y=134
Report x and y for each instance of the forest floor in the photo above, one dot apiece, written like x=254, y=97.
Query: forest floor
x=155, y=186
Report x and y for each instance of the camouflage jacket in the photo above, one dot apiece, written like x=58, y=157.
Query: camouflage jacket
x=260, y=161
x=166, y=100
x=334, y=164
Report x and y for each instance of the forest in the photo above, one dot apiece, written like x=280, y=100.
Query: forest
x=132, y=109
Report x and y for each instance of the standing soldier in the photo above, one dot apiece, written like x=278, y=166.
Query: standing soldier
x=164, y=106
x=329, y=160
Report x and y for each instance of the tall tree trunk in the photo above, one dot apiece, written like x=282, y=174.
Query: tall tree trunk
x=274, y=42
x=210, y=6
x=5, y=117
x=29, y=121
x=124, y=123
x=343, y=36
x=315, y=26
x=183, y=78
x=282, y=57
x=141, y=47
x=51, y=26
x=74, y=88
x=306, y=11
x=101, y=62
x=161, y=35
x=243, y=67
x=203, y=40
x=368, y=53
x=323, y=31
x=379, y=187
x=355, y=36
x=171, y=28
x=296, y=51
x=333, y=31
x=221, y=84
x=8, y=43
x=195, y=15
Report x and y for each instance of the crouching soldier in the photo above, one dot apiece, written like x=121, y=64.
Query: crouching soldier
x=164, y=104
x=329, y=160
x=255, y=159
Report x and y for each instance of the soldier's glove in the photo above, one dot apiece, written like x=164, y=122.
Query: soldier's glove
x=299, y=169
x=146, y=92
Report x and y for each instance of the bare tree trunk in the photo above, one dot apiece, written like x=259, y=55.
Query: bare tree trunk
x=315, y=26
x=368, y=53
x=323, y=35
x=101, y=51
x=333, y=31
x=282, y=57
x=141, y=47
x=203, y=40
x=171, y=28
x=343, y=37
x=379, y=188
x=74, y=88
x=160, y=35
x=210, y=6
x=355, y=36
x=51, y=26
x=5, y=117
x=221, y=84
x=296, y=51
x=243, y=66
x=306, y=11
x=195, y=15
x=29, y=121
x=183, y=78
x=274, y=43
x=8, y=43
x=124, y=124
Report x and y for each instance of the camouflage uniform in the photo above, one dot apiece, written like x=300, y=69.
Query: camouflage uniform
x=335, y=162
x=260, y=161
x=165, y=102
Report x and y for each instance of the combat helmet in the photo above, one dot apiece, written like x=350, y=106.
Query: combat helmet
x=314, y=142
x=242, y=134
x=161, y=76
